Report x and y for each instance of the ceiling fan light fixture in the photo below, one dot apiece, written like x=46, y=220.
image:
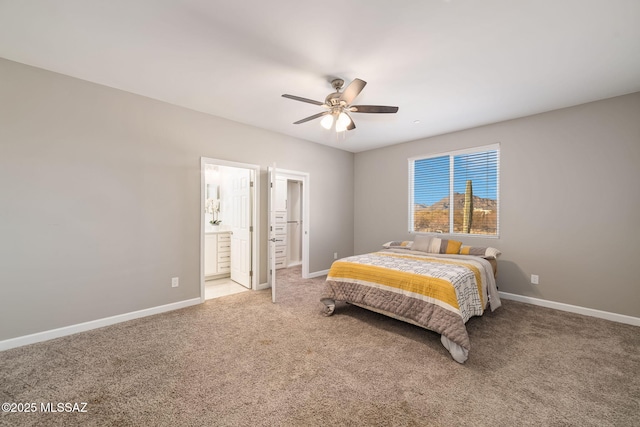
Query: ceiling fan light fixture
x=342, y=122
x=327, y=121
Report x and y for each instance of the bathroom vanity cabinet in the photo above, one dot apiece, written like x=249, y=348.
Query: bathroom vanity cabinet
x=217, y=254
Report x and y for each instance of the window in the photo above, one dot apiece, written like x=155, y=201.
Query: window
x=456, y=192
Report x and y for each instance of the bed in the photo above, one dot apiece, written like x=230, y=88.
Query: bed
x=434, y=283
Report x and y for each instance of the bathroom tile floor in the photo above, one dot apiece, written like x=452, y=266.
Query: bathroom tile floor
x=221, y=287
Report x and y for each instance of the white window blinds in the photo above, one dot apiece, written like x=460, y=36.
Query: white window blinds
x=455, y=192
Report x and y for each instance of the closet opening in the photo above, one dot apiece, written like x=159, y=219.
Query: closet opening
x=288, y=250
x=289, y=221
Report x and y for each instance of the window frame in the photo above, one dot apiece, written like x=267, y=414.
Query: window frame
x=452, y=154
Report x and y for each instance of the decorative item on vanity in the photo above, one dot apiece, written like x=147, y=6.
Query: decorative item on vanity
x=212, y=207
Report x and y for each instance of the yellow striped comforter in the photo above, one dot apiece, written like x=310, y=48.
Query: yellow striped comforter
x=437, y=292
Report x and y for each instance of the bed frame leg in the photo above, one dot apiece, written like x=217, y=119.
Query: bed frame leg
x=329, y=306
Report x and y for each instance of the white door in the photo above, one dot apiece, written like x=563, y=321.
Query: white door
x=271, y=203
x=239, y=184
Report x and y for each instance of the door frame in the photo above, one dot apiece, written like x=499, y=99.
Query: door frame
x=255, y=197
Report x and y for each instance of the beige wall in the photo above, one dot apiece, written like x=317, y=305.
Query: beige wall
x=100, y=202
x=569, y=207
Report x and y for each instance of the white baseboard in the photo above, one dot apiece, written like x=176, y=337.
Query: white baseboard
x=93, y=324
x=620, y=318
x=99, y=323
x=318, y=274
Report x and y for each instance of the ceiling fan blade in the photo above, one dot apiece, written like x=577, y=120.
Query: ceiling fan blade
x=353, y=90
x=372, y=109
x=315, y=116
x=352, y=124
x=299, y=98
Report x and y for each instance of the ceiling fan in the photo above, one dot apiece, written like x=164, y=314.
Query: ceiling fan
x=338, y=106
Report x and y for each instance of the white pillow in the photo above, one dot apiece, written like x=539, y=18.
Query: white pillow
x=421, y=243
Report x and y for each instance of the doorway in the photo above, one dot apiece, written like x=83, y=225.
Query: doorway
x=289, y=214
x=294, y=223
x=229, y=194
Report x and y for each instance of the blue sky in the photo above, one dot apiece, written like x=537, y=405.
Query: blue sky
x=481, y=168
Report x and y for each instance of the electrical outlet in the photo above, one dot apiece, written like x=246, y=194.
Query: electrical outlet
x=335, y=255
x=535, y=279
x=175, y=282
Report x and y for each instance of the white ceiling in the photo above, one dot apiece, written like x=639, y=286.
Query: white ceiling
x=450, y=65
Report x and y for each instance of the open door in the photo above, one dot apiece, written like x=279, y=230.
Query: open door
x=271, y=203
x=240, y=187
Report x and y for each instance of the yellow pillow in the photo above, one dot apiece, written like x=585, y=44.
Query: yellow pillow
x=452, y=247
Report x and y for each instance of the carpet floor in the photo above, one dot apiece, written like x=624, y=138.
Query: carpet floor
x=242, y=361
